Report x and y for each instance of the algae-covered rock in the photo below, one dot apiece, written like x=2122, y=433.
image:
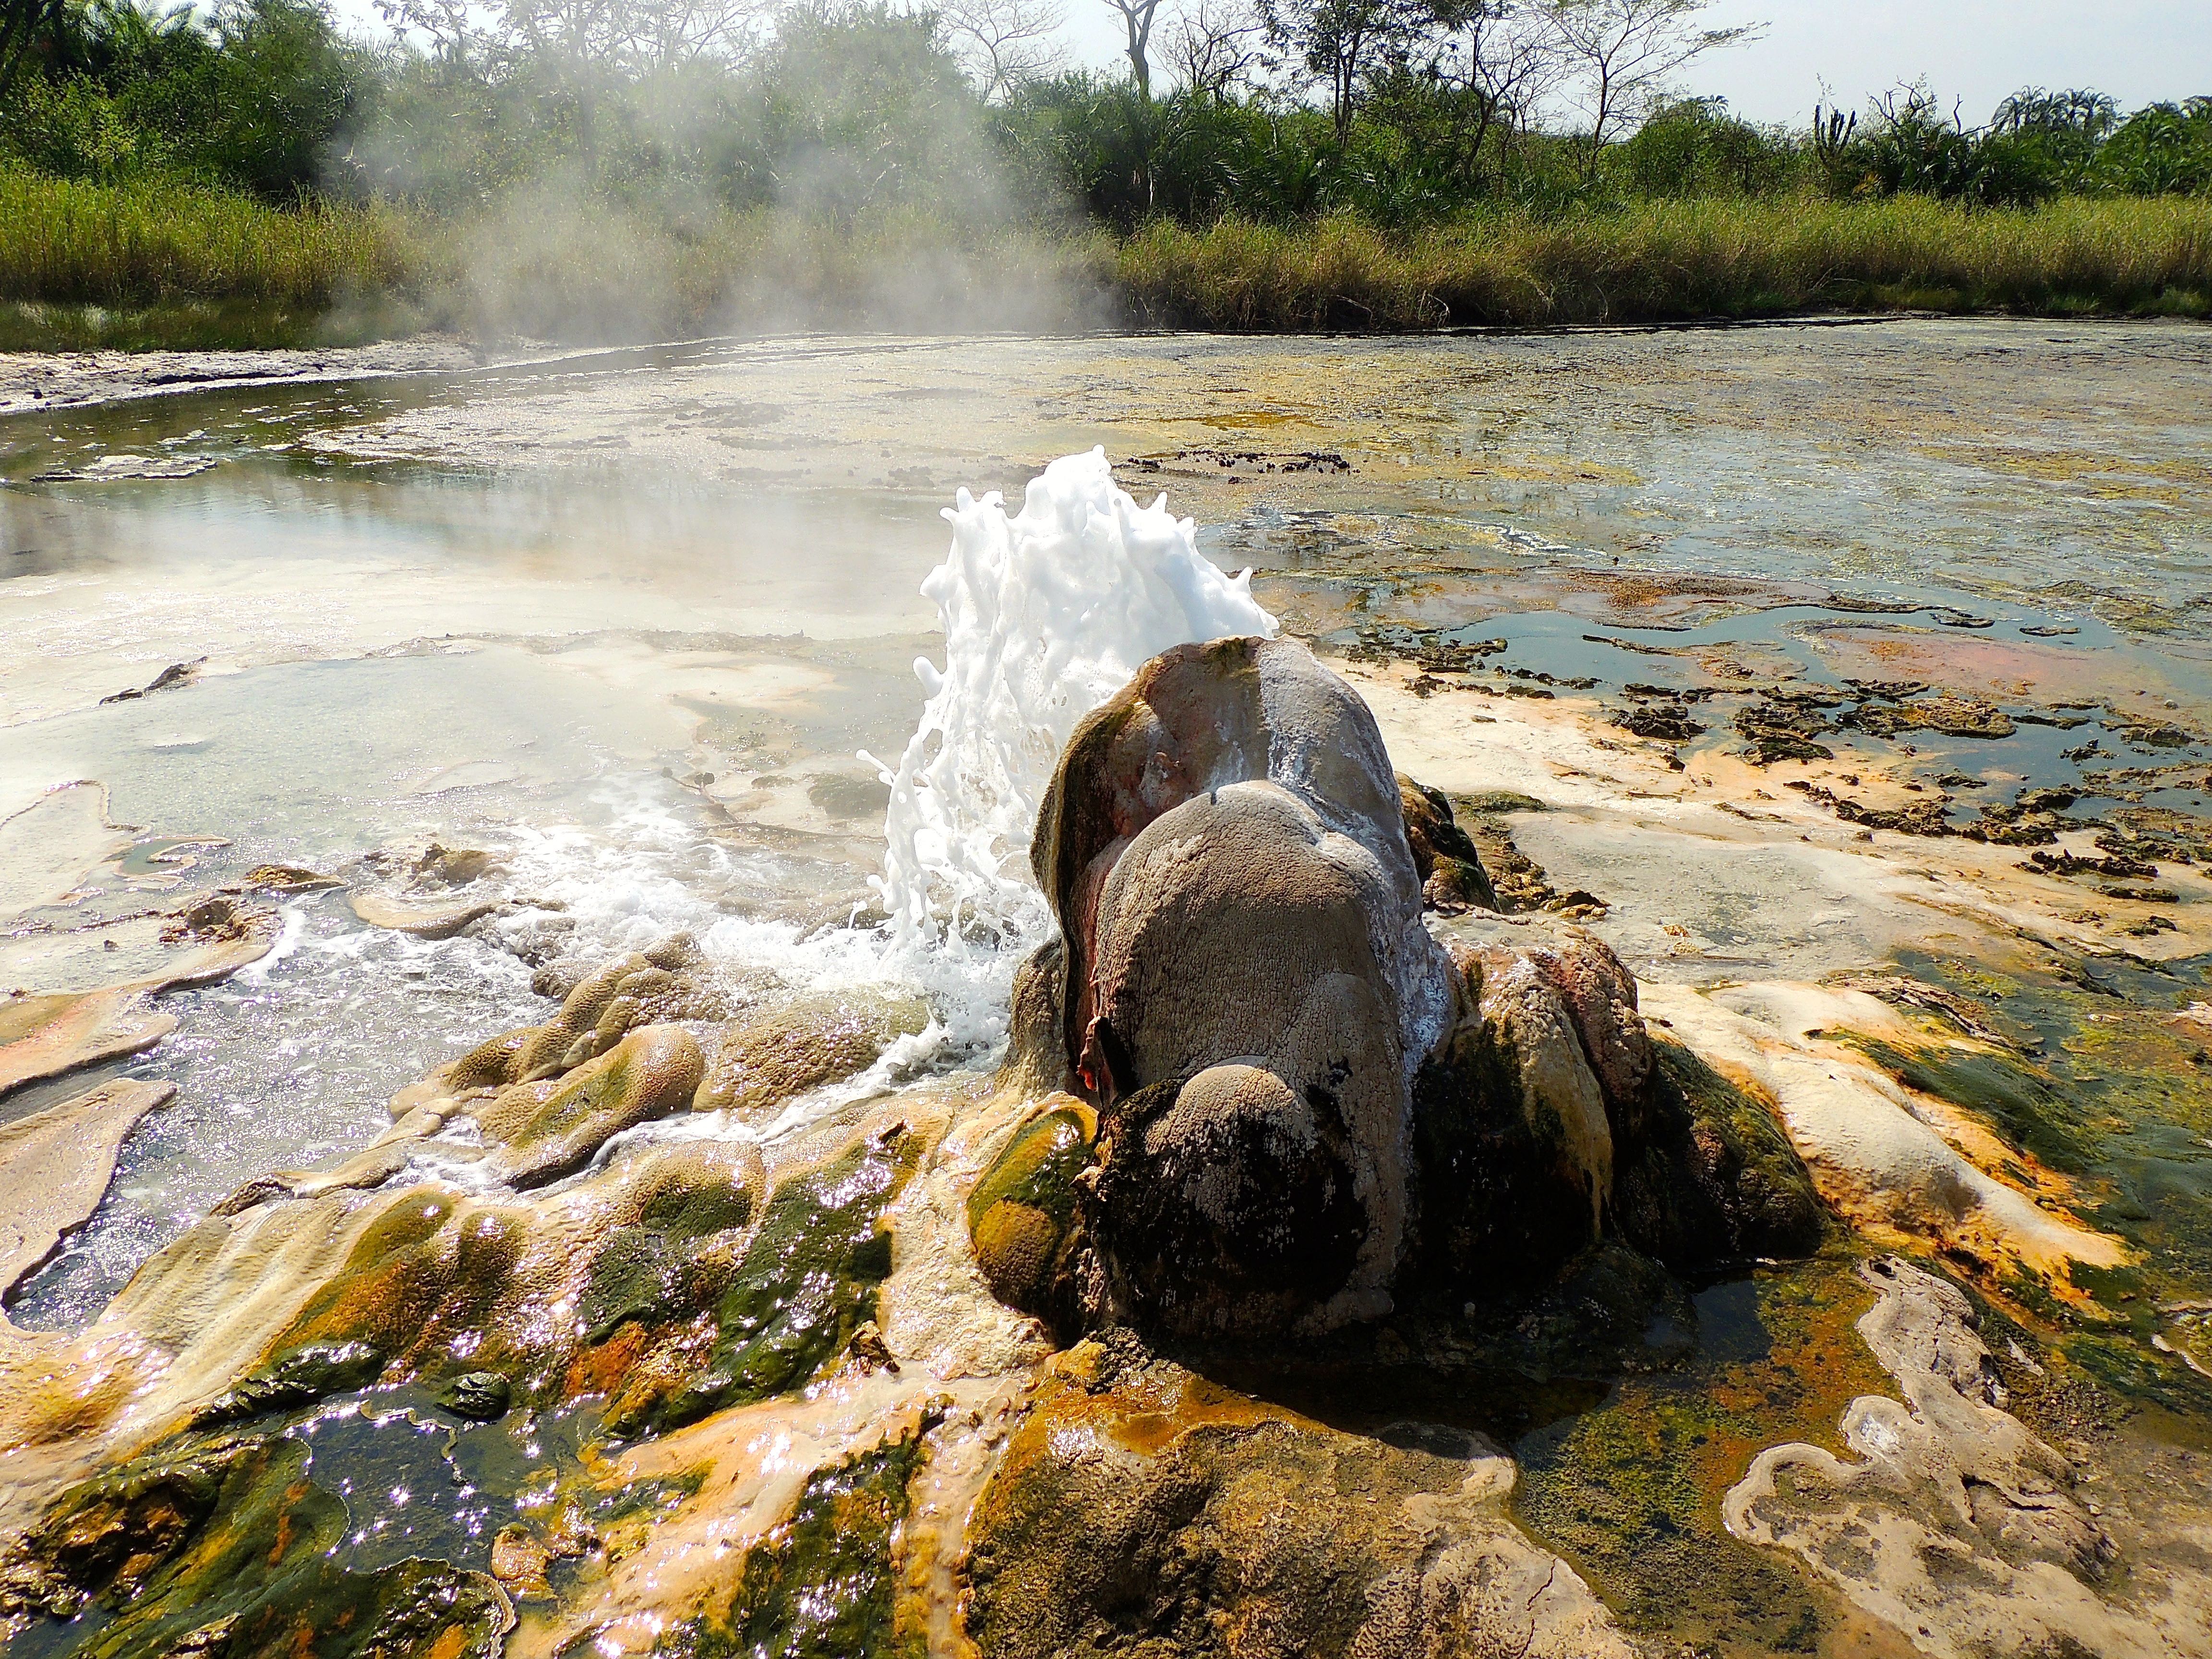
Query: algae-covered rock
x=823, y=1584
x=805, y=1283
x=482, y=1396
x=230, y=1547
x=782, y=1051
x=304, y=1374
x=1446, y=861
x=1139, y=1509
x=670, y=981
x=549, y=1129
x=1549, y=1115
x=1715, y=1180
x=1021, y=1215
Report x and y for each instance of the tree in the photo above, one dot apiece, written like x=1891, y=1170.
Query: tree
x=1215, y=44
x=23, y=25
x=1004, y=42
x=1496, y=60
x=1623, y=53
x=1344, y=41
x=1137, y=15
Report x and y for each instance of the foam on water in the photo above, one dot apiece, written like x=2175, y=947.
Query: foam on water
x=1046, y=614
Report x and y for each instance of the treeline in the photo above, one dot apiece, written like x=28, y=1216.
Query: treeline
x=575, y=169
x=1407, y=112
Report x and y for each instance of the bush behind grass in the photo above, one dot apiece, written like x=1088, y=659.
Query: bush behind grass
x=152, y=261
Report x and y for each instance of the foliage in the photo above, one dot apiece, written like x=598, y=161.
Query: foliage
x=618, y=167
x=249, y=95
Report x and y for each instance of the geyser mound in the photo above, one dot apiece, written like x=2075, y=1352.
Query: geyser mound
x=1303, y=1102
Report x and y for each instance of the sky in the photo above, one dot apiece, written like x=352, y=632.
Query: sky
x=2140, y=52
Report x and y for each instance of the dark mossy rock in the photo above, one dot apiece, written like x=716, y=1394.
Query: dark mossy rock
x=805, y=1283
x=1445, y=857
x=481, y=1396
x=1226, y=1202
x=824, y=1583
x=1701, y=1174
x=1716, y=1181
x=1496, y=1214
x=304, y=1375
x=1022, y=1214
x=228, y=1546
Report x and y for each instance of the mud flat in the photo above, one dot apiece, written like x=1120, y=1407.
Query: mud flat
x=546, y=1218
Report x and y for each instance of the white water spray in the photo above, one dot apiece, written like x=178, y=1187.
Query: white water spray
x=1046, y=615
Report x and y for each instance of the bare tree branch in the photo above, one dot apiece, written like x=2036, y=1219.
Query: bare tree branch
x=1623, y=53
x=1003, y=43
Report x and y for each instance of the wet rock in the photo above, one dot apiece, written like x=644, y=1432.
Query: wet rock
x=549, y=1129
x=231, y=1548
x=1780, y=731
x=1952, y=1523
x=793, y=1301
x=1952, y=715
x=845, y=798
x=768, y=1057
x=46, y=1037
x=481, y=1396
x=305, y=1374
x=1036, y=1061
x=825, y=1584
x=1140, y=1510
x=415, y=887
x=1445, y=860
x=55, y=1166
x=1665, y=719
x=289, y=879
x=1021, y=1215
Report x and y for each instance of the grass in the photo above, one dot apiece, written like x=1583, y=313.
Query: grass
x=158, y=263
x=1666, y=261
x=156, y=241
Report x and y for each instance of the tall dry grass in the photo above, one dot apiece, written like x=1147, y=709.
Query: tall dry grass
x=1664, y=261
x=151, y=241
x=208, y=267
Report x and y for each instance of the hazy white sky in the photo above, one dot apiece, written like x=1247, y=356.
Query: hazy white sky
x=2138, y=51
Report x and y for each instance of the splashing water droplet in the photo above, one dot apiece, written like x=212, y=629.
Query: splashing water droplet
x=1046, y=615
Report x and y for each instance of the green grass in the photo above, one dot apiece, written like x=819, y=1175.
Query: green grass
x=158, y=263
